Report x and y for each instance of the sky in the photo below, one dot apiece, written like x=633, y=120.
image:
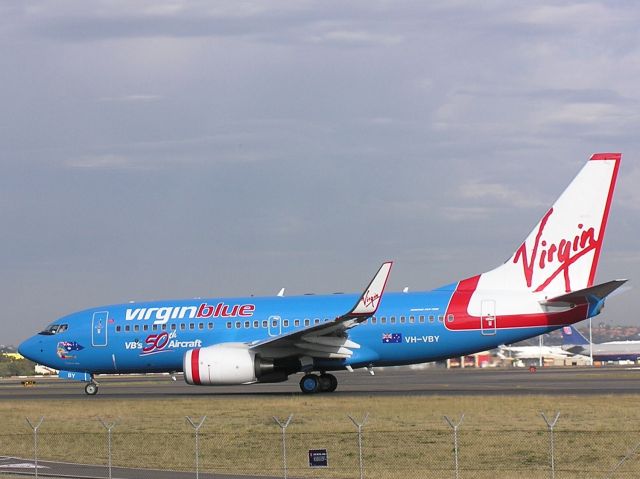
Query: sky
x=177, y=149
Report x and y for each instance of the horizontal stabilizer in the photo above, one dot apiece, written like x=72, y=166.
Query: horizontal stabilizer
x=591, y=295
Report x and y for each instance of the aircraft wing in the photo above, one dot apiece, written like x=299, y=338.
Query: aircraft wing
x=328, y=339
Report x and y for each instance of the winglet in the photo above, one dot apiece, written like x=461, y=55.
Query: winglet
x=368, y=303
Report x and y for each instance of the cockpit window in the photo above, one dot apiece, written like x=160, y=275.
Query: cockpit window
x=54, y=329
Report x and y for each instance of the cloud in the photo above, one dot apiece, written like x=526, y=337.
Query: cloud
x=107, y=161
x=629, y=193
x=139, y=98
x=497, y=194
x=466, y=213
x=356, y=38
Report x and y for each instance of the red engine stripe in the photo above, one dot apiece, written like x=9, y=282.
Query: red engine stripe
x=195, y=366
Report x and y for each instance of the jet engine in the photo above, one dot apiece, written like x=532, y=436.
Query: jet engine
x=228, y=363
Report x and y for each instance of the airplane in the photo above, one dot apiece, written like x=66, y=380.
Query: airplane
x=574, y=341
x=547, y=283
x=533, y=352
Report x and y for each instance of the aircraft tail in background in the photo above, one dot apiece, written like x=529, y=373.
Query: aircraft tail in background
x=572, y=337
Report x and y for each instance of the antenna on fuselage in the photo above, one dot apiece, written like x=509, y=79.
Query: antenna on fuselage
x=281, y=293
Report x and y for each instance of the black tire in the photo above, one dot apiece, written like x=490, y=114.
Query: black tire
x=91, y=389
x=310, y=384
x=334, y=383
x=328, y=383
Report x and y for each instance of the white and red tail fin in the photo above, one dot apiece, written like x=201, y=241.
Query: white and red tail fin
x=561, y=254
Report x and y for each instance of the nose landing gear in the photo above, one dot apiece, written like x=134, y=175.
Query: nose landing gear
x=91, y=389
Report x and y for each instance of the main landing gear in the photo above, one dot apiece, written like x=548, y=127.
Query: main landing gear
x=91, y=389
x=313, y=383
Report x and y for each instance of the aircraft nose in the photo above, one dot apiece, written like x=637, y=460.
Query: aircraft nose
x=31, y=348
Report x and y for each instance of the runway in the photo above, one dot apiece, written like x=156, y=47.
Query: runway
x=387, y=381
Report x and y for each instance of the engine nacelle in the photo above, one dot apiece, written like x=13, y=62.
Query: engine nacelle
x=227, y=363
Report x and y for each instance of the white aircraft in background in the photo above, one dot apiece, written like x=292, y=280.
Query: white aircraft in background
x=533, y=352
x=574, y=341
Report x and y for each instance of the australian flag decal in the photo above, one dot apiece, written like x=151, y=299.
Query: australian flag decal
x=70, y=346
x=392, y=338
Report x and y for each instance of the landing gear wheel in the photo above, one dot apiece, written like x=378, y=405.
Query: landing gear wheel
x=328, y=383
x=91, y=389
x=310, y=383
x=334, y=383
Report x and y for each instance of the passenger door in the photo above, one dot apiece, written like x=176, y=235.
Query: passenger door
x=99, y=328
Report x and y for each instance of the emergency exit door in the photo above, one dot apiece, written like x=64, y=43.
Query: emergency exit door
x=488, y=317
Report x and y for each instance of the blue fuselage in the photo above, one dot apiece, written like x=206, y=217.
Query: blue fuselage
x=153, y=337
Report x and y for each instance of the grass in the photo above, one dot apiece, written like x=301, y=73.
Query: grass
x=404, y=435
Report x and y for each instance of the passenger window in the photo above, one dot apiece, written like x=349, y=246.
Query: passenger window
x=392, y=320
x=183, y=326
x=439, y=318
x=374, y=320
x=402, y=319
x=192, y=326
x=383, y=320
x=431, y=318
x=154, y=327
x=265, y=323
x=200, y=325
x=421, y=318
x=164, y=327
x=316, y=321
x=285, y=323
x=145, y=327
x=256, y=324
x=136, y=328
x=247, y=324
x=296, y=323
x=412, y=319
x=238, y=324
x=228, y=325
x=307, y=322
x=173, y=326
x=210, y=325
x=450, y=318
x=118, y=329
x=127, y=328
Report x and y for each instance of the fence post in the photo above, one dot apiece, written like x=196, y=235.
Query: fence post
x=283, y=426
x=108, y=427
x=631, y=453
x=359, y=426
x=550, y=426
x=196, y=428
x=35, y=441
x=455, y=442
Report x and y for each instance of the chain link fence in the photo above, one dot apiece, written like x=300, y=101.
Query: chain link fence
x=201, y=447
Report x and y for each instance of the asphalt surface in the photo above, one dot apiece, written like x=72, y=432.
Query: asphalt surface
x=388, y=381
x=27, y=467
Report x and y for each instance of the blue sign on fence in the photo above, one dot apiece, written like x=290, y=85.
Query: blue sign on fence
x=318, y=458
